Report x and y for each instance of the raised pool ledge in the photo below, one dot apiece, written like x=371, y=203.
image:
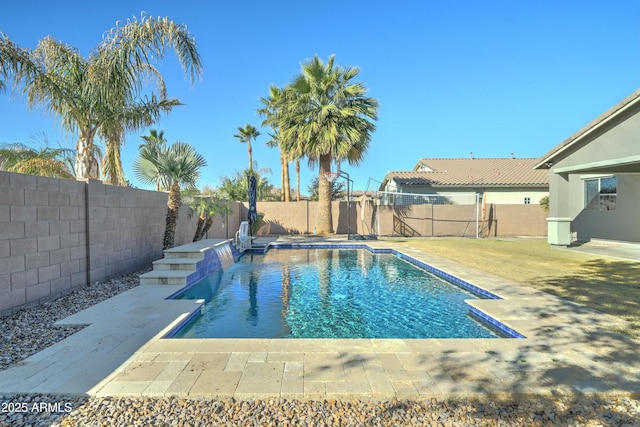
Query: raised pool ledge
x=187, y=264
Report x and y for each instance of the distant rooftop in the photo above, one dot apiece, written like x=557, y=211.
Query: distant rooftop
x=461, y=172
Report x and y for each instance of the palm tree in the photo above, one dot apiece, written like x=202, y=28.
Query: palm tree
x=329, y=118
x=207, y=207
x=175, y=167
x=246, y=134
x=285, y=186
x=47, y=161
x=101, y=95
x=272, y=106
x=153, y=142
x=154, y=138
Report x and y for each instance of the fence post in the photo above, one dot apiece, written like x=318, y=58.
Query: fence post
x=477, y=213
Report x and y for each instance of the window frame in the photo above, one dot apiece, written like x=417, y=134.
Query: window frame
x=607, y=195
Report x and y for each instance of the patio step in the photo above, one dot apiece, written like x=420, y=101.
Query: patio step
x=173, y=264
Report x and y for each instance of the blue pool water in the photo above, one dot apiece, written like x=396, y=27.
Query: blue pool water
x=328, y=293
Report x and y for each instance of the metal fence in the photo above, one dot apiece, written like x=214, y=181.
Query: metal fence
x=463, y=217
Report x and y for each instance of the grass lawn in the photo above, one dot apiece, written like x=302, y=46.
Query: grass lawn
x=608, y=285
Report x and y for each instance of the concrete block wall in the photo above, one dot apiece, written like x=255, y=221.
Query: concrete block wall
x=57, y=235
x=519, y=220
x=42, y=238
x=283, y=218
x=125, y=229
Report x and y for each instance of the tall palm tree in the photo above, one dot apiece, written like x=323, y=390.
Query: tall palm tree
x=101, y=95
x=329, y=118
x=246, y=134
x=176, y=167
x=285, y=186
x=272, y=143
x=272, y=108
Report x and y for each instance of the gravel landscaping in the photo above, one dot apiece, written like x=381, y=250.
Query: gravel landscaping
x=30, y=330
x=75, y=411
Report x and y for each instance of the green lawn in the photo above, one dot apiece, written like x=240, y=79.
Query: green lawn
x=608, y=285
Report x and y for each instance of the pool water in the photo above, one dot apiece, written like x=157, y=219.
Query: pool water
x=328, y=293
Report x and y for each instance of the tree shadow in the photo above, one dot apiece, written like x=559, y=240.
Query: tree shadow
x=276, y=227
x=612, y=287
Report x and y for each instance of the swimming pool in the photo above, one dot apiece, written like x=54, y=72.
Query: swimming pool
x=328, y=293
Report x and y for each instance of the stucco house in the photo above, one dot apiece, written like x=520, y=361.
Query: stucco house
x=594, y=179
x=498, y=180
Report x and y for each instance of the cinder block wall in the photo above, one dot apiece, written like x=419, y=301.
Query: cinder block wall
x=519, y=220
x=42, y=238
x=283, y=218
x=57, y=235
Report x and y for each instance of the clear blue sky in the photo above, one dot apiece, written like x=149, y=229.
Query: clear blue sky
x=452, y=77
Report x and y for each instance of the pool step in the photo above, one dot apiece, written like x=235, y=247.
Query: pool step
x=180, y=264
x=166, y=277
x=173, y=264
x=197, y=255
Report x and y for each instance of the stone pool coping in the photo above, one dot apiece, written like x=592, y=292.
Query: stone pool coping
x=569, y=349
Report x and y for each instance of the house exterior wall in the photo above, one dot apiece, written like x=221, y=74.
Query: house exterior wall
x=515, y=196
x=618, y=140
x=622, y=224
x=504, y=195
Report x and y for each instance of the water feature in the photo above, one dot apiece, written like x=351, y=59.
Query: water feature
x=225, y=255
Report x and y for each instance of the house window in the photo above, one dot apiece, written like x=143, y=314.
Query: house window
x=600, y=194
x=527, y=200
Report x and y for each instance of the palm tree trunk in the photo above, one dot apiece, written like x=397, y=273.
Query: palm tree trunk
x=173, y=206
x=199, y=226
x=298, y=180
x=287, y=180
x=250, y=151
x=324, y=225
x=86, y=166
x=112, y=170
x=282, y=163
x=206, y=227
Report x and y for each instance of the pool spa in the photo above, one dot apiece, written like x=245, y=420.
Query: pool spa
x=316, y=291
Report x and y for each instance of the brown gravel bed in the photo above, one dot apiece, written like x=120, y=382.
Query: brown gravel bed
x=538, y=411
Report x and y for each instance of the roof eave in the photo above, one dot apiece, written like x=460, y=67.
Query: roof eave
x=629, y=102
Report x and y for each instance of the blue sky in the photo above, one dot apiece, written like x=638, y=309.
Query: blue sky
x=452, y=77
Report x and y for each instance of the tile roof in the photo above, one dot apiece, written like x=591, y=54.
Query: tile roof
x=508, y=172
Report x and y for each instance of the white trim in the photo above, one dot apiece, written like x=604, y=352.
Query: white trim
x=621, y=161
x=596, y=176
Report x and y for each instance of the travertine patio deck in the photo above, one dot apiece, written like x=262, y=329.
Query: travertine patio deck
x=568, y=349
